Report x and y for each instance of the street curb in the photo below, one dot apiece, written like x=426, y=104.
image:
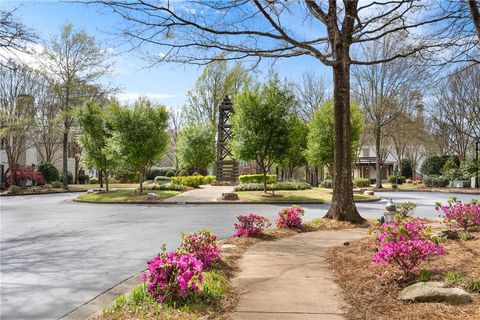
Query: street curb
x=202, y=202
x=40, y=193
x=429, y=190
x=105, y=299
x=219, y=202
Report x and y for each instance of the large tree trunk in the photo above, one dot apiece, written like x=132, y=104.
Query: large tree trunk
x=343, y=207
x=65, y=158
x=475, y=15
x=378, y=159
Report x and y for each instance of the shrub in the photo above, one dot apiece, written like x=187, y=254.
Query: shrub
x=203, y=245
x=49, y=171
x=417, y=178
x=453, y=277
x=469, y=168
x=461, y=215
x=83, y=178
x=162, y=179
x=189, y=181
x=209, y=179
x=407, y=168
x=183, y=173
x=19, y=176
x=126, y=176
x=396, y=179
x=290, y=217
x=257, y=178
x=273, y=187
x=327, y=183
x=214, y=286
x=434, y=181
x=405, y=209
x=173, y=276
x=196, y=173
x=165, y=186
x=425, y=275
x=405, y=243
x=15, y=189
x=93, y=181
x=250, y=225
x=394, y=186
x=170, y=173
x=409, y=181
x=56, y=184
x=474, y=286
x=69, y=177
x=361, y=182
x=434, y=165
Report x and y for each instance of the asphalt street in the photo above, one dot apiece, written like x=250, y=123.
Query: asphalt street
x=57, y=254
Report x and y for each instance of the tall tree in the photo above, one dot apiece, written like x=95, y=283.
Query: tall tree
x=76, y=61
x=176, y=124
x=14, y=36
x=215, y=83
x=47, y=126
x=311, y=91
x=320, y=145
x=198, y=31
x=260, y=125
x=96, y=139
x=377, y=87
x=141, y=134
x=196, y=147
x=18, y=85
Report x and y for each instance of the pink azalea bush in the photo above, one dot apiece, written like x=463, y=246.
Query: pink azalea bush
x=203, y=245
x=461, y=215
x=173, y=276
x=405, y=243
x=250, y=225
x=290, y=217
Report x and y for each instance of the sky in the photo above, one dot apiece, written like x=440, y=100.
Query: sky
x=166, y=83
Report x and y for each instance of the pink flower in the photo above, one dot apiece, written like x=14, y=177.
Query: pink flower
x=250, y=225
x=290, y=217
x=404, y=243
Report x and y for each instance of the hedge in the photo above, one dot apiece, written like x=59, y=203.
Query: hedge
x=257, y=178
x=361, y=182
x=166, y=186
x=155, y=172
x=434, y=165
x=162, y=179
x=193, y=181
x=434, y=181
x=273, y=186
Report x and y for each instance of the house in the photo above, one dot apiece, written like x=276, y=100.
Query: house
x=365, y=164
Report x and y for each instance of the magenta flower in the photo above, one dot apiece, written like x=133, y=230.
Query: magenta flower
x=290, y=217
x=250, y=225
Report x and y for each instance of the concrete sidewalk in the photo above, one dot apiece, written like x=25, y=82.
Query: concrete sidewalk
x=206, y=193
x=290, y=279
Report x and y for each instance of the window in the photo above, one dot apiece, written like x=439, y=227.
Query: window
x=365, y=152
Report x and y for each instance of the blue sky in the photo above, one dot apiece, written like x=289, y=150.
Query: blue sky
x=166, y=83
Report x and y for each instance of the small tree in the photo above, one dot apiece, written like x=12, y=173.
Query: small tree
x=295, y=156
x=96, y=139
x=196, y=147
x=141, y=134
x=320, y=145
x=260, y=125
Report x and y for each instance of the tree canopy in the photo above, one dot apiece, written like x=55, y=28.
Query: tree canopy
x=196, y=147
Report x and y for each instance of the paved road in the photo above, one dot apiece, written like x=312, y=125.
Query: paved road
x=57, y=255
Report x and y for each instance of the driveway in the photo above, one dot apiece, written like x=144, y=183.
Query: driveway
x=56, y=254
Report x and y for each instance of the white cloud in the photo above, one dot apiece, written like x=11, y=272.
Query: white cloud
x=30, y=58
x=128, y=97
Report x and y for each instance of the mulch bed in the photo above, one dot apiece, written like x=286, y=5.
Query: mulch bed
x=371, y=290
x=229, y=267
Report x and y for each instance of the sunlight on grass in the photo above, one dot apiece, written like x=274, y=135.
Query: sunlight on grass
x=125, y=195
x=313, y=195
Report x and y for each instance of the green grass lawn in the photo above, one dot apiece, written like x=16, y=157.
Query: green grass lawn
x=125, y=195
x=97, y=186
x=314, y=194
x=404, y=186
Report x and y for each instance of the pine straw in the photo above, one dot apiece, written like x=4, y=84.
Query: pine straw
x=371, y=290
